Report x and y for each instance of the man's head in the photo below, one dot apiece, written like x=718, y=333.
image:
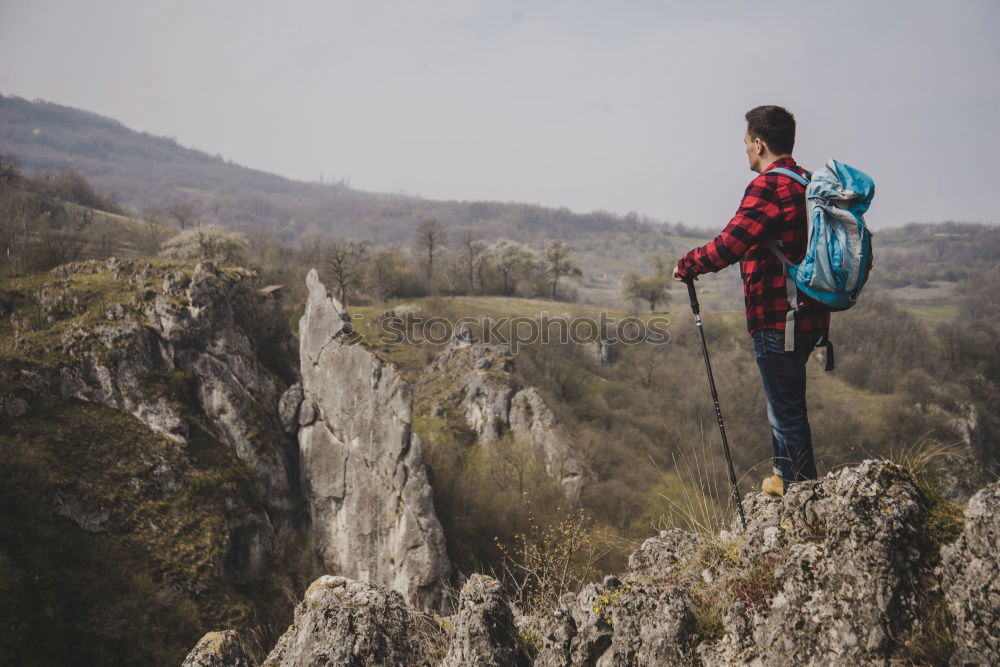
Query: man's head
x=770, y=135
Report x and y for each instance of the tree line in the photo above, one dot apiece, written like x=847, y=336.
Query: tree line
x=437, y=262
x=58, y=217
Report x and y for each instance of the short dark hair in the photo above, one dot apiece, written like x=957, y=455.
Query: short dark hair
x=773, y=125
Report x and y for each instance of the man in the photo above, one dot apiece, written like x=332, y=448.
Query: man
x=773, y=207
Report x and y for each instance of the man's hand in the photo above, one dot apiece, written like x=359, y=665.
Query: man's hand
x=679, y=277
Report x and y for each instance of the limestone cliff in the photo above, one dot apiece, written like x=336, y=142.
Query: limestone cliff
x=145, y=476
x=154, y=325
x=362, y=469
x=492, y=400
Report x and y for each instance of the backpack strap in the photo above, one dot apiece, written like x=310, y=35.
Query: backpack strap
x=791, y=293
x=788, y=172
x=825, y=342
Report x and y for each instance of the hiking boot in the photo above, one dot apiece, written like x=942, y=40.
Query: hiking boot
x=774, y=486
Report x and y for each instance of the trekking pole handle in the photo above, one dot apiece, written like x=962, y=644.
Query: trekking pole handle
x=692, y=295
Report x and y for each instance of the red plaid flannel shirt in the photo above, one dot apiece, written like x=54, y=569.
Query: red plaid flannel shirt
x=773, y=206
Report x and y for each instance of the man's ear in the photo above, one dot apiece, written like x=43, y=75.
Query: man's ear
x=759, y=146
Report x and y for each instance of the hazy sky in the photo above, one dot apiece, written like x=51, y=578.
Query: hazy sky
x=591, y=105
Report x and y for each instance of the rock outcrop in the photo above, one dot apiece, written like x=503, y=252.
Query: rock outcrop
x=493, y=402
x=361, y=466
x=832, y=575
x=847, y=553
x=344, y=622
x=618, y=623
x=218, y=649
x=485, y=634
x=233, y=389
x=971, y=581
x=187, y=332
x=144, y=459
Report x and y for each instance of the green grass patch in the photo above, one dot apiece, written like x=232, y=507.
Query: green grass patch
x=933, y=314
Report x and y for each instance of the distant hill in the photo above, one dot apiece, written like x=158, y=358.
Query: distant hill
x=146, y=171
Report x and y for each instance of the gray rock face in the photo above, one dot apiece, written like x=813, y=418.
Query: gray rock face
x=493, y=403
x=485, y=633
x=661, y=555
x=189, y=329
x=970, y=574
x=218, y=649
x=288, y=408
x=70, y=507
x=361, y=467
x=531, y=420
x=344, y=622
x=618, y=623
x=847, y=570
x=198, y=332
x=172, y=352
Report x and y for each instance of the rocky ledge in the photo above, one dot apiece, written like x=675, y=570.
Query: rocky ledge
x=848, y=569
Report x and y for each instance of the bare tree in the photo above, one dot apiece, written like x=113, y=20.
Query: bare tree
x=56, y=247
x=150, y=237
x=311, y=249
x=430, y=237
x=14, y=231
x=10, y=169
x=455, y=271
x=105, y=239
x=386, y=272
x=183, y=213
x=345, y=263
x=558, y=264
x=471, y=257
x=86, y=216
x=645, y=362
x=150, y=234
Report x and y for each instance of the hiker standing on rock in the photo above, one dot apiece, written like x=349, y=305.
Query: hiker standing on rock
x=773, y=207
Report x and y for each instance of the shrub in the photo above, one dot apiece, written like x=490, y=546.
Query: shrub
x=211, y=242
x=539, y=566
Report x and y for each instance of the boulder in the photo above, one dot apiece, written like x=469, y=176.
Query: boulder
x=218, y=649
x=485, y=633
x=288, y=408
x=970, y=578
x=661, y=555
x=618, y=623
x=345, y=622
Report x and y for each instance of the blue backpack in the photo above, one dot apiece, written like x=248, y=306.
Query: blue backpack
x=838, y=255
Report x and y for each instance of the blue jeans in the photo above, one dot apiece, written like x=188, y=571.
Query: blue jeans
x=783, y=375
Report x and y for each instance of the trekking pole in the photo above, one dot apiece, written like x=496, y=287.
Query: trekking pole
x=715, y=398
